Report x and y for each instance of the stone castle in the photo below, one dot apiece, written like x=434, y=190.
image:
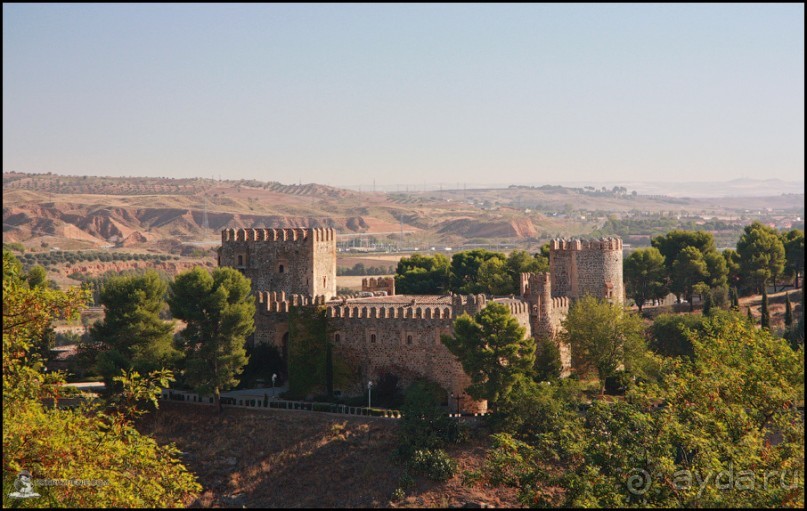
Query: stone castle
x=399, y=333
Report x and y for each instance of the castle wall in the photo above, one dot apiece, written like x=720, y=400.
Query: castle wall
x=561, y=270
x=297, y=267
x=581, y=267
x=407, y=346
x=373, y=285
x=295, y=261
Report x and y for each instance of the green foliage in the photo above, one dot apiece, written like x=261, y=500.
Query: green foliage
x=264, y=361
x=473, y=271
x=14, y=246
x=95, y=284
x=671, y=244
x=70, y=444
x=219, y=311
x=693, y=262
x=645, y=276
x=793, y=242
x=605, y=337
x=717, y=268
x=421, y=274
x=707, y=304
x=64, y=257
x=465, y=270
x=670, y=334
x=764, y=314
x=434, y=464
x=762, y=254
x=37, y=277
x=361, y=269
x=548, y=365
x=688, y=270
x=720, y=297
x=494, y=278
x=520, y=261
x=307, y=360
x=494, y=351
x=424, y=423
x=132, y=336
x=735, y=299
x=731, y=409
x=788, y=311
x=138, y=391
x=546, y=415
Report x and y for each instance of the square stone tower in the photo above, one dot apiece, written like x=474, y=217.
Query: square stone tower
x=587, y=267
x=294, y=261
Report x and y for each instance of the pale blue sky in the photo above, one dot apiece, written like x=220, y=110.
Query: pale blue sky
x=342, y=94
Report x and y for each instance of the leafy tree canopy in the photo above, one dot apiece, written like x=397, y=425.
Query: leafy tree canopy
x=645, y=276
x=493, y=349
x=219, y=311
x=762, y=254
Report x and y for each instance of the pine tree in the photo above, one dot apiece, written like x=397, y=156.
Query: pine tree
x=765, y=317
x=219, y=312
x=788, y=311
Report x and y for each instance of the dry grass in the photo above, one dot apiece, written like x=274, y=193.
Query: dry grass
x=278, y=458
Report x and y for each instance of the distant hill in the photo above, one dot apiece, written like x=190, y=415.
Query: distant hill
x=87, y=211
x=734, y=188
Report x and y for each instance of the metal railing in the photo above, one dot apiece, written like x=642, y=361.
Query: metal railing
x=258, y=401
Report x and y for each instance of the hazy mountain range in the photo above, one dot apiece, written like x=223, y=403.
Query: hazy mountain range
x=740, y=187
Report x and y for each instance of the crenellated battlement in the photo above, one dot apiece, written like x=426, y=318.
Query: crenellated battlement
x=391, y=312
x=518, y=307
x=609, y=243
x=478, y=300
x=374, y=284
x=280, y=302
x=561, y=303
x=587, y=267
x=285, y=234
x=535, y=284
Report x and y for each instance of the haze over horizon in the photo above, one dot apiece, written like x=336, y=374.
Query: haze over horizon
x=349, y=95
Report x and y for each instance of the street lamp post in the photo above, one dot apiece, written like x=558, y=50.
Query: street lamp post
x=369, y=393
x=458, y=397
x=274, y=378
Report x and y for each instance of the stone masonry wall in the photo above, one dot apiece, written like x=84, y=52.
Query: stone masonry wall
x=409, y=347
x=297, y=267
x=374, y=284
x=295, y=261
x=581, y=267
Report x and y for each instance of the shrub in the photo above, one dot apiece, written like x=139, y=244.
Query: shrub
x=435, y=464
x=618, y=383
x=398, y=495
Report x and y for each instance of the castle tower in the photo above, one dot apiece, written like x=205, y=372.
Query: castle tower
x=536, y=290
x=293, y=261
x=582, y=267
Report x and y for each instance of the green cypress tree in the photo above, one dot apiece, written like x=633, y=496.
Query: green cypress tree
x=765, y=317
x=735, y=299
x=788, y=311
x=707, y=304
